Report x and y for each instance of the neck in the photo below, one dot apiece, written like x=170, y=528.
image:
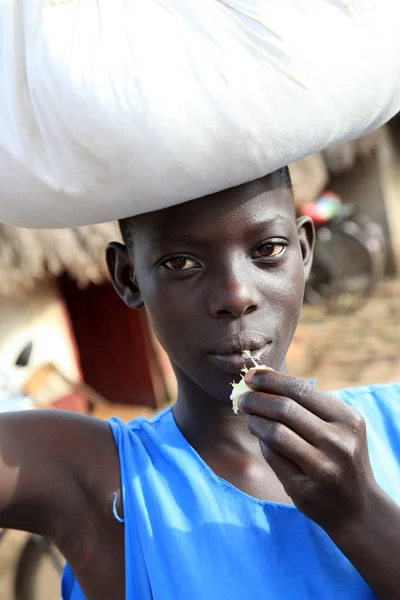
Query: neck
x=209, y=424
x=223, y=441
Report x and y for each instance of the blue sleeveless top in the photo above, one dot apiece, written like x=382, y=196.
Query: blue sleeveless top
x=192, y=535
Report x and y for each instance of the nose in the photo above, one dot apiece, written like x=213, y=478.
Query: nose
x=233, y=295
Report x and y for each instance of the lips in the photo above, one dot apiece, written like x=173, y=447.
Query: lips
x=243, y=341
x=227, y=354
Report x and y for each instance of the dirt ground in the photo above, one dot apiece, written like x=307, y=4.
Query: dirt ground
x=337, y=351
x=353, y=349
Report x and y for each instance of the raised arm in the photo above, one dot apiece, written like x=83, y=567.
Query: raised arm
x=54, y=466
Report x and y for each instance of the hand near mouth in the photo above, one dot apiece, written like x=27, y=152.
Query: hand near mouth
x=316, y=445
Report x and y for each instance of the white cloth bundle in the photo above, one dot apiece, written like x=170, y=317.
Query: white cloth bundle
x=109, y=108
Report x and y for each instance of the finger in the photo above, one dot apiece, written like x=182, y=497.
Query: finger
x=288, y=412
x=325, y=406
x=287, y=443
x=288, y=473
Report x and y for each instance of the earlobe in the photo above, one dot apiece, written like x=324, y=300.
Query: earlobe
x=122, y=275
x=306, y=231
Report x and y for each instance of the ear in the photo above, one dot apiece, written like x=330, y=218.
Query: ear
x=306, y=231
x=123, y=276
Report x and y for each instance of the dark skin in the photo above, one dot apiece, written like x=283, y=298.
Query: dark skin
x=217, y=301
x=229, y=267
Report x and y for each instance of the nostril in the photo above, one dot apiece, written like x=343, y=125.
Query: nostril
x=223, y=312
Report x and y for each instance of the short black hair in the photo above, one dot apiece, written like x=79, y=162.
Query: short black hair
x=126, y=225
x=284, y=174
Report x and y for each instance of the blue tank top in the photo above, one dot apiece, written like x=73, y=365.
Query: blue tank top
x=192, y=535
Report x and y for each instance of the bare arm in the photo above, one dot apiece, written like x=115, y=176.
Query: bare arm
x=372, y=544
x=54, y=466
x=317, y=446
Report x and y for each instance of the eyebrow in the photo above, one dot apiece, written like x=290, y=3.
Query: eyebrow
x=192, y=239
x=188, y=239
x=278, y=219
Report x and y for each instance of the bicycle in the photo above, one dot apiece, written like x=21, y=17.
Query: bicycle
x=349, y=255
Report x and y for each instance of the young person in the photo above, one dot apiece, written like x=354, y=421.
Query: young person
x=296, y=497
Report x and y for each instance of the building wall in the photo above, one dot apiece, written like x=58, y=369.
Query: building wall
x=115, y=349
x=389, y=160
x=365, y=184
x=42, y=319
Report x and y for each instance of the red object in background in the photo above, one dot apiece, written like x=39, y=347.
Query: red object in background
x=75, y=402
x=111, y=341
x=324, y=208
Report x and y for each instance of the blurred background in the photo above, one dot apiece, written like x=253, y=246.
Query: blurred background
x=82, y=348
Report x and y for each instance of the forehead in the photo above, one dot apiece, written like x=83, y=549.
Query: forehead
x=230, y=211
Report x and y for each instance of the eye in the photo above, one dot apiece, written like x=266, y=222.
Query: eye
x=180, y=263
x=270, y=250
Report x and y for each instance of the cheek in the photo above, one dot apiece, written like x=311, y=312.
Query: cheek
x=171, y=317
x=285, y=297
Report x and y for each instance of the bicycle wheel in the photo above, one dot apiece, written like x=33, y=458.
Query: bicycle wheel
x=38, y=571
x=349, y=261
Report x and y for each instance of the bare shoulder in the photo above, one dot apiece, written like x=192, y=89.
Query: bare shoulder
x=55, y=468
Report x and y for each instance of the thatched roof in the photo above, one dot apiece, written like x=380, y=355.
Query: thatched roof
x=28, y=256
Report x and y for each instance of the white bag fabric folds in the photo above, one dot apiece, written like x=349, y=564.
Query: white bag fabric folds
x=109, y=108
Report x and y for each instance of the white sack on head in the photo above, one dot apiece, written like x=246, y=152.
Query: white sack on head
x=111, y=108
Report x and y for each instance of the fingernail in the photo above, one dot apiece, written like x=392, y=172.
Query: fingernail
x=241, y=400
x=252, y=372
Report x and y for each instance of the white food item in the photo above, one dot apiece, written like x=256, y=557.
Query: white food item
x=109, y=109
x=239, y=390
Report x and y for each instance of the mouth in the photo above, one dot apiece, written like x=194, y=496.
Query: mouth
x=228, y=357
